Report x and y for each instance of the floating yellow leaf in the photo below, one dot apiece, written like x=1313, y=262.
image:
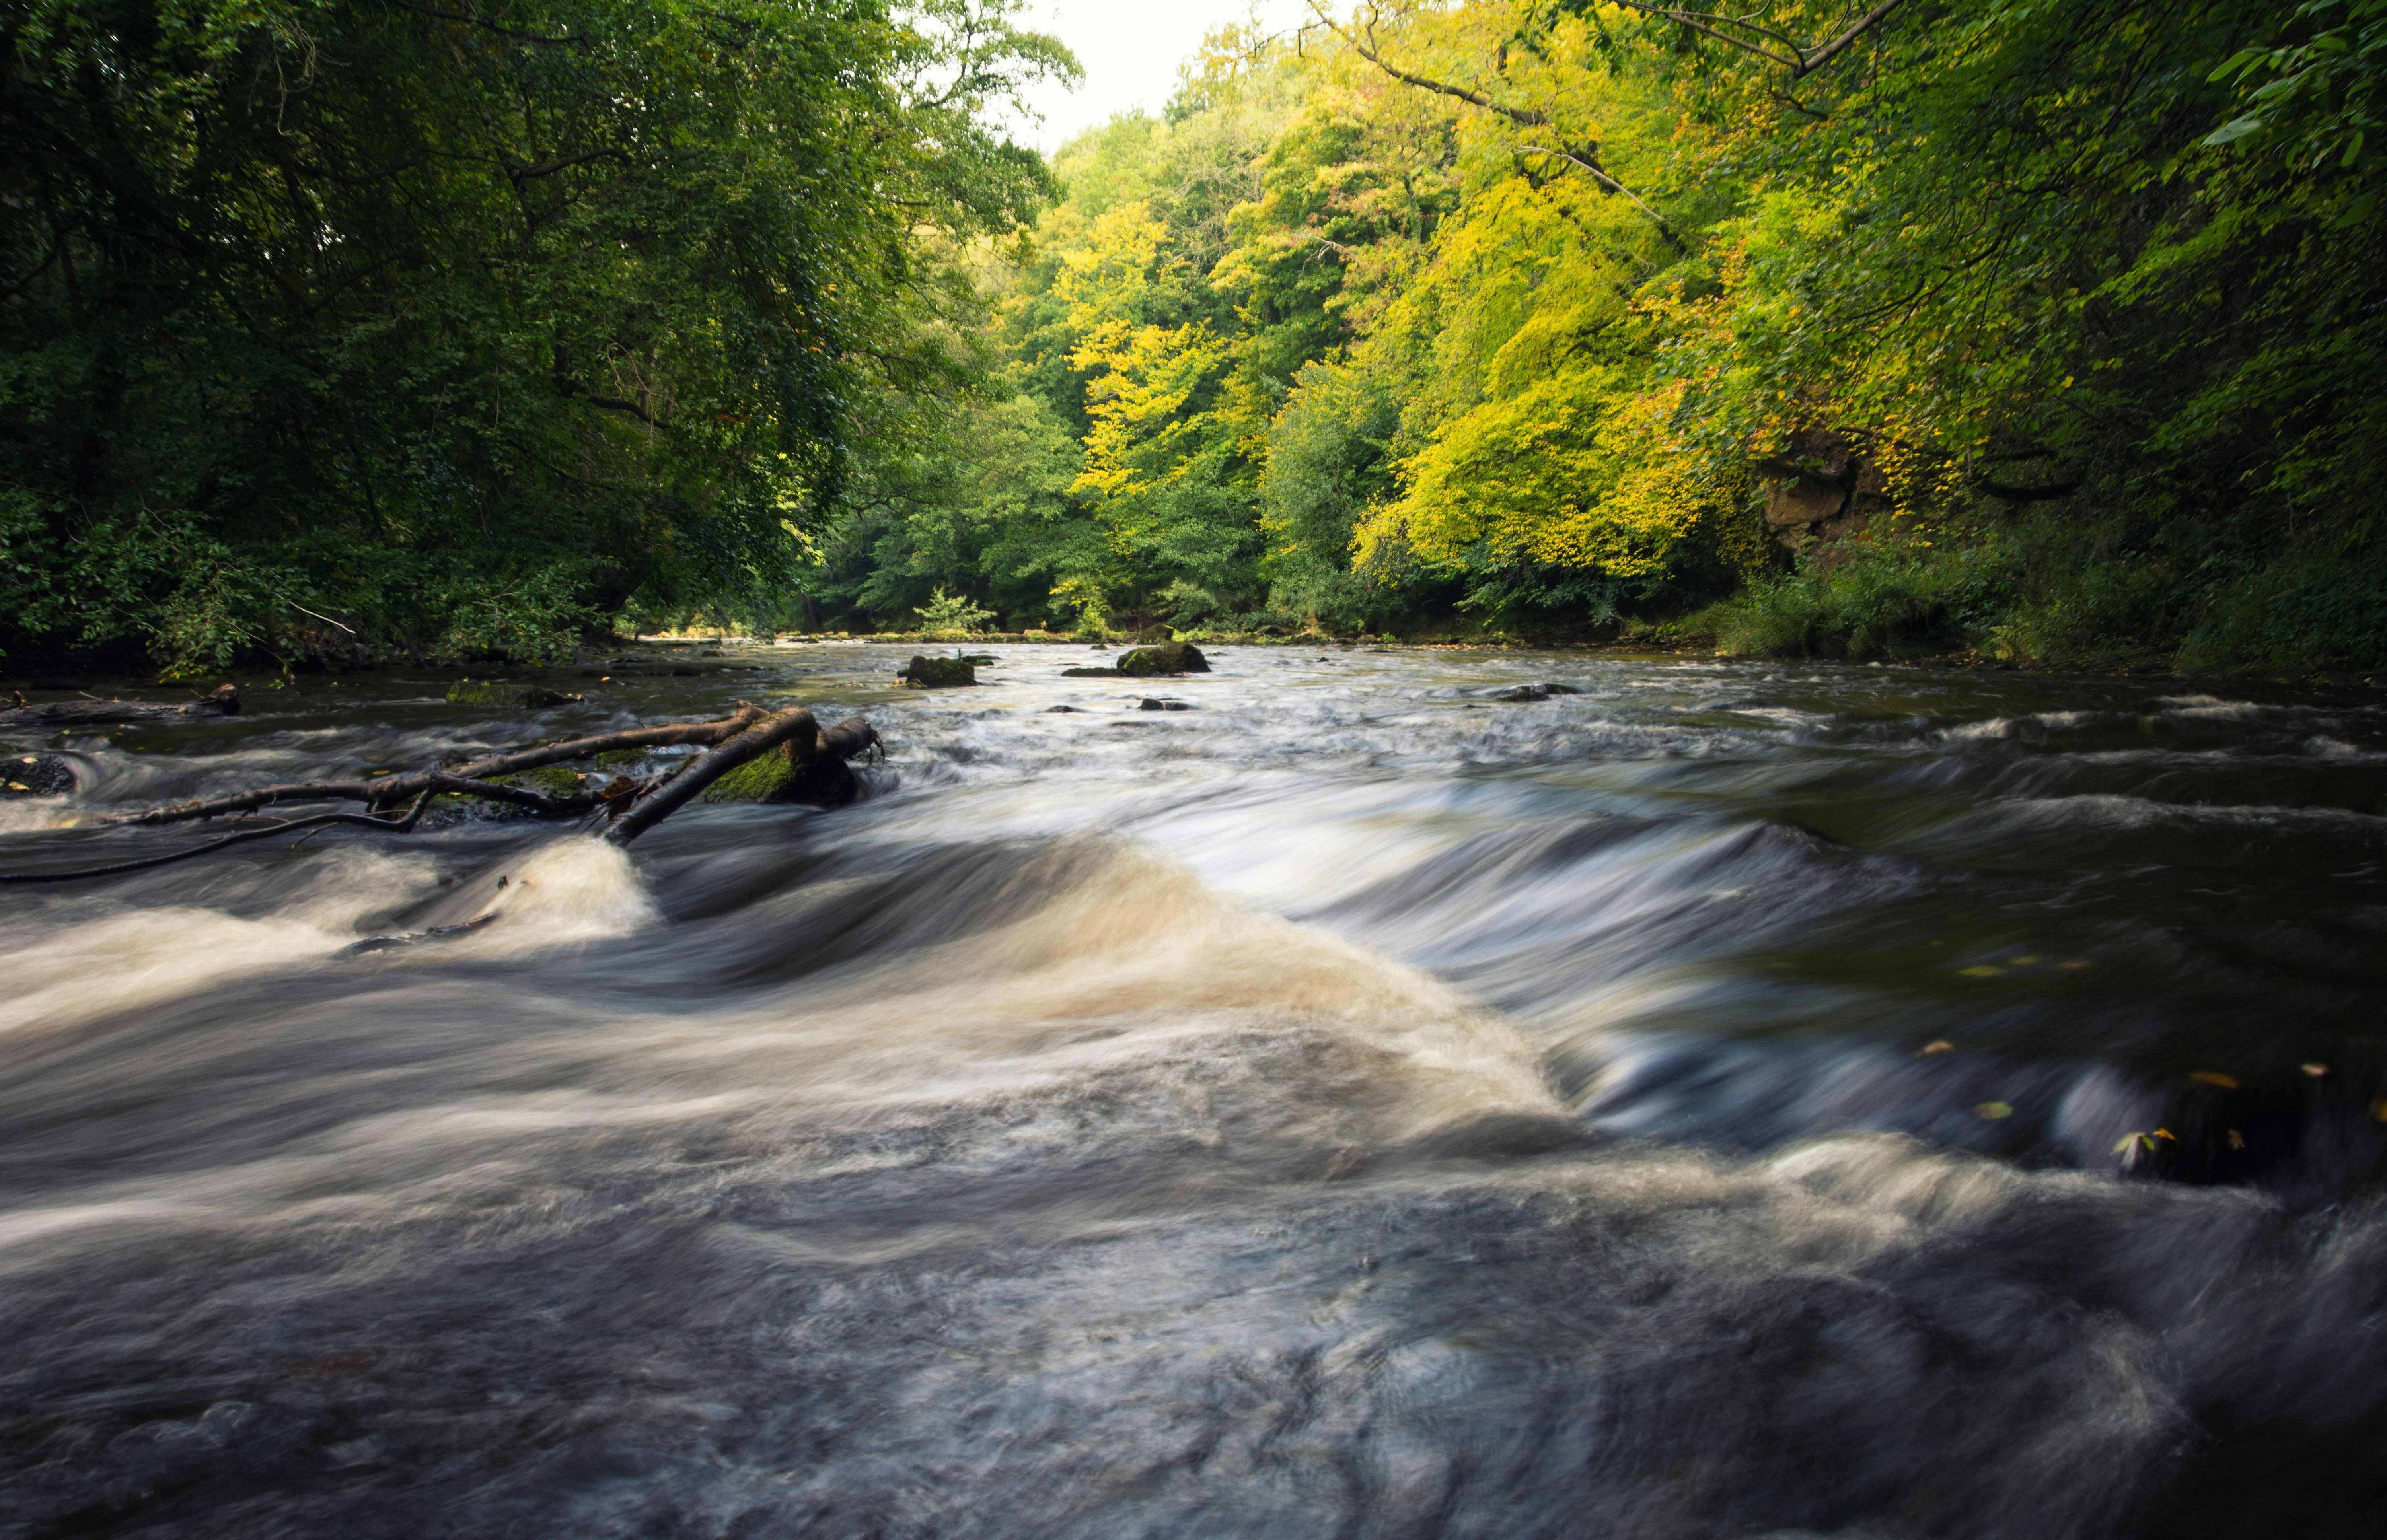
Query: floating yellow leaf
x=1941, y=1046
x=2316, y=1070
x=2206, y=1076
x=2002, y=1109
x=2077, y=965
x=2166, y=1133
x=2378, y=1109
x=2237, y=1140
x=2023, y=962
x=1984, y=971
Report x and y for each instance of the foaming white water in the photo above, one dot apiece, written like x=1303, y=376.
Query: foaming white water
x=62, y=974
x=568, y=891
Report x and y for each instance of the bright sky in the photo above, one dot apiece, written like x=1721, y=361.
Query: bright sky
x=1131, y=50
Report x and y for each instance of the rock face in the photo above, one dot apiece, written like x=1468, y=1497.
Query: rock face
x=489, y=692
x=1822, y=488
x=1175, y=657
x=925, y=673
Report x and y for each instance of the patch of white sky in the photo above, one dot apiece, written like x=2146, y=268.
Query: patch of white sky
x=1131, y=51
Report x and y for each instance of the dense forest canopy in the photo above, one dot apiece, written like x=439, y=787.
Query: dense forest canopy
x=345, y=326
x=2050, y=328
x=2044, y=326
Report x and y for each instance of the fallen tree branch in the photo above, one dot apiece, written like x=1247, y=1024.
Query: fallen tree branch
x=321, y=820
x=397, y=788
x=632, y=807
x=223, y=701
x=793, y=727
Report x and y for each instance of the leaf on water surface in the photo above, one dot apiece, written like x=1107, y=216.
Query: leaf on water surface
x=1995, y=1110
x=2207, y=1077
x=2378, y=1109
x=2316, y=1070
x=2023, y=962
x=1984, y=971
x=2237, y=1140
x=2076, y=966
x=1941, y=1045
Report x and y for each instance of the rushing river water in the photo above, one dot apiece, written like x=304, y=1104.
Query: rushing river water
x=1351, y=1106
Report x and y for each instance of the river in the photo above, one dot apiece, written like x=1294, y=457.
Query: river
x=1736, y=1099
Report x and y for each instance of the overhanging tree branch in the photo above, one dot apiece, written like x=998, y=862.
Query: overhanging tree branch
x=1363, y=42
x=1799, y=61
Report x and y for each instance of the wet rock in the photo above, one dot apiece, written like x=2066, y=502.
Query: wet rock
x=1050, y=710
x=1090, y=673
x=926, y=673
x=492, y=693
x=34, y=775
x=981, y=660
x=1156, y=703
x=1523, y=692
x=1175, y=657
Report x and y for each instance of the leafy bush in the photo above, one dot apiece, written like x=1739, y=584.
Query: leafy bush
x=1869, y=601
x=946, y=611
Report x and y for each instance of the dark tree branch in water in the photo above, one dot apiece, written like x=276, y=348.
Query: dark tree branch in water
x=223, y=700
x=396, y=788
x=793, y=727
x=400, y=825
x=634, y=807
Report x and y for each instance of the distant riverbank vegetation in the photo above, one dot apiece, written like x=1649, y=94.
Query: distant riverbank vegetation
x=2046, y=331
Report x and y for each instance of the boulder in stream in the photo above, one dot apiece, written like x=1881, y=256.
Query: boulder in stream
x=24, y=774
x=1175, y=657
x=925, y=673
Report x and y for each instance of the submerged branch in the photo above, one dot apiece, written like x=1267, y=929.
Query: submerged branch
x=396, y=788
x=631, y=807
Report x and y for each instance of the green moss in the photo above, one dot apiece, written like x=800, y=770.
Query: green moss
x=758, y=780
x=489, y=692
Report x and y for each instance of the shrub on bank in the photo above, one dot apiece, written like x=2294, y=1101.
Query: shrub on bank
x=1876, y=601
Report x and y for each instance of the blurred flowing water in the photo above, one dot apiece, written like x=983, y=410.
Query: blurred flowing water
x=1353, y=1105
